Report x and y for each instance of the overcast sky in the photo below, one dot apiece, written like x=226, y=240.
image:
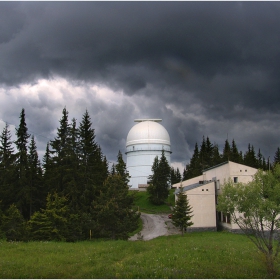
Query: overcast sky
x=205, y=68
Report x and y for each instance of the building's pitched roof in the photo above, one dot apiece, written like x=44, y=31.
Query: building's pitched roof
x=193, y=186
x=215, y=166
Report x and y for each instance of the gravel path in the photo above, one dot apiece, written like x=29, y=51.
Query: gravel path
x=154, y=226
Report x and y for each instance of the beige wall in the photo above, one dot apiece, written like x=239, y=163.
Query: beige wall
x=202, y=201
x=231, y=170
x=188, y=182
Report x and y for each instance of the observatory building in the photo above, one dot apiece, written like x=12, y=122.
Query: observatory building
x=145, y=141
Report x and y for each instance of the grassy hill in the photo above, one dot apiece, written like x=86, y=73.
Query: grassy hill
x=143, y=204
x=196, y=255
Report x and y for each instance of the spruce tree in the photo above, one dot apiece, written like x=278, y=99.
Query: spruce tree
x=193, y=169
x=259, y=159
x=181, y=214
x=216, y=155
x=203, y=156
x=175, y=176
x=113, y=210
x=277, y=156
x=209, y=154
x=36, y=191
x=22, y=188
x=178, y=175
x=92, y=170
x=7, y=168
x=73, y=177
x=250, y=158
x=54, y=222
x=234, y=153
x=226, y=156
x=48, y=172
x=60, y=150
x=159, y=181
x=121, y=168
x=65, y=156
x=13, y=224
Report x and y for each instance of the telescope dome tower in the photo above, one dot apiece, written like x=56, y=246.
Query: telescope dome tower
x=145, y=141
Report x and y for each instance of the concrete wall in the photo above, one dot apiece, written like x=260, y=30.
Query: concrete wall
x=202, y=201
x=188, y=182
x=140, y=159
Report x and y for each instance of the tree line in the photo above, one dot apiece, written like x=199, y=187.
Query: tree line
x=208, y=155
x=71, y=196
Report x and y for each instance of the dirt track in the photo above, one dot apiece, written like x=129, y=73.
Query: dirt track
x=154, y=226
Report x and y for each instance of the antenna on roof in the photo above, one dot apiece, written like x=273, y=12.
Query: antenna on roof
x=144, y=120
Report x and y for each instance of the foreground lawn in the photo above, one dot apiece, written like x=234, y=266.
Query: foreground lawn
x=196, y=255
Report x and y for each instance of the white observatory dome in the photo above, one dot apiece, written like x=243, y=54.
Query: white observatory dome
x=148, y=132
x=145, y=141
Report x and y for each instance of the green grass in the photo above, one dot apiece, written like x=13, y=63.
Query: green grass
x=143, y=204
x=196, y=255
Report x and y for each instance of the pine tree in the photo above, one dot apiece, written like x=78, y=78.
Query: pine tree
x=60, y=146
x=65, y=159
x=40, y=227
x=203, y=157
x=250, y=157
x=259, y=159
x=73, y=177
x=159, y=181
x=13, y=224
x=48, y=172
x=22, y=190
x=113, y=210
x=193, y=169
x=88, y=150
x=226, y=152
x=234, y=154
x=35, y=182
x=264, y=164
x=94, y=168
x=92, y=171
x=216, y=155
x=178, y=175
x=113, y=170
x=175, y=176
x=181, y=214
x=121, y=168
x=277, y=156
x=209, y=154
x=7, y=159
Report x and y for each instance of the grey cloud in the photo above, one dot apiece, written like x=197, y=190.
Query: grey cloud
x=214, y=61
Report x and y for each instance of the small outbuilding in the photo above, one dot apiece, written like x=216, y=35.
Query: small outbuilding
x=202, y=192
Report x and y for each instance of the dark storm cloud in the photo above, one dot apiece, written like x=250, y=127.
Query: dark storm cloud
x=203, y=67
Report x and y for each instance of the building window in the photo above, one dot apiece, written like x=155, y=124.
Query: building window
x=207, y=190
x=224, y=218
x=203, y=190
x=245, y=170
x=219, y=216
x=240, y=170
x=228, y=218
x=235, y=179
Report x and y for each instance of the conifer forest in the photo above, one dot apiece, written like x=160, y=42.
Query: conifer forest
x=72, y=195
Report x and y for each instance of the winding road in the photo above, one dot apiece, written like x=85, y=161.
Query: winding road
x=154, y=226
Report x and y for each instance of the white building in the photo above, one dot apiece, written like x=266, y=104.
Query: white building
x=202, y=192
x=145, y=141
